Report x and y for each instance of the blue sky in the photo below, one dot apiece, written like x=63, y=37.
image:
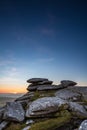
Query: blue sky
x=45, y=38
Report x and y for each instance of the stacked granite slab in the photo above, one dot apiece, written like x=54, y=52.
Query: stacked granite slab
x=42, y=84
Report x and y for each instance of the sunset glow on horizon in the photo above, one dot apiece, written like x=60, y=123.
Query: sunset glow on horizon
x=42, y=38
x=13, y=88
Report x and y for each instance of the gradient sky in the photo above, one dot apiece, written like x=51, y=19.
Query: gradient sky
x=42, y=38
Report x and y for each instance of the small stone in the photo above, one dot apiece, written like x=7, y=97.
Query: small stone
x=83, y=125
x=29, y=122
x=26, y=128
x=3, y=125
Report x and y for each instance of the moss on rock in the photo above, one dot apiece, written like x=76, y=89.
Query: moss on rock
x=51, y=124
x=15, y=126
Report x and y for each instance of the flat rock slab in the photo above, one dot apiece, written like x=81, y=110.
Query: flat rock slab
x=32, y=88
x=67, y=94
x=83, y=125
x=3, y=125
x=14, y=112
x=43, y=106
x=48, y=87
x=78, y=110
x=44, y=87
x=26, y=96
x=67, y=83
x=36, y=80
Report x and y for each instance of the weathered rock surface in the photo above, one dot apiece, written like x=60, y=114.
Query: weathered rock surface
x=36, y=80
x=14, y=112
x=67, y=83
x=78, y=110
x=44, y=87
x=68, y=94
x=43, y=106
x=82, y=90
x=83, y=125
x=48, y=87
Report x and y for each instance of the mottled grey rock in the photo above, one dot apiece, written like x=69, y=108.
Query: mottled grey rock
x=26, y=96
x=80, y=89
x=67, y=94
x=78, y=110
x=67, y=83
x=83, y=125
x=43, y=106
x=48, y=87
x=29, y=122
x=14, y=112
x=36, y=80
x=26, y=128
x=3, y=124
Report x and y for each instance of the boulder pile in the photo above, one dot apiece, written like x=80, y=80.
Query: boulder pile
x=47, y=107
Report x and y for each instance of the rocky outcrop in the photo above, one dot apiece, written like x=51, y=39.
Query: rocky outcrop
x=47, y=106
x=67, y=83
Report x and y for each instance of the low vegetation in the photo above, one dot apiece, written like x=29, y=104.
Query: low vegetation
x=51, y=124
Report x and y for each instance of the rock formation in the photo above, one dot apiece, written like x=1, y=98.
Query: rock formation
x=47, y=107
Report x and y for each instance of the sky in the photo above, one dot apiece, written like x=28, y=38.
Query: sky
x=42, y=38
